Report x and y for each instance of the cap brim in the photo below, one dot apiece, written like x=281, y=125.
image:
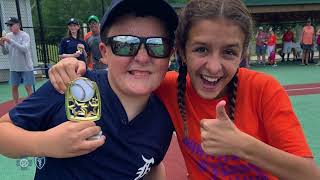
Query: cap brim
x=9, y=23
x=73, y=23
x=90, y=20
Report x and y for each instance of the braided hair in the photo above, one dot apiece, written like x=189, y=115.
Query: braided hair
x=232, y=91
x=181, y=94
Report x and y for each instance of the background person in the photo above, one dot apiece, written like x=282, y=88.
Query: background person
x=287, y=40
x=271, y=47
x=16, y=45
x=318, y=45
x=306, y=42
x=93, y=41
x=73, y=45
x=261, y=45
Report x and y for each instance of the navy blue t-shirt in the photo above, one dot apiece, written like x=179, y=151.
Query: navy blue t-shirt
x=130, y=150
x=69, y=46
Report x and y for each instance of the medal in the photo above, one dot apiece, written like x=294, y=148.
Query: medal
x=82, y=100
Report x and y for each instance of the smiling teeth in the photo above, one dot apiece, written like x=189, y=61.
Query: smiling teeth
x=210, y=79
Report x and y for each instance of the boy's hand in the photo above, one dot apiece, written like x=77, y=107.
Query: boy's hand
x=70, y=139
x=65, y=71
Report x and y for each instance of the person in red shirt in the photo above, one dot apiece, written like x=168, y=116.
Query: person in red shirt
x=287, y=40
x=271, y=47
x=231, y=122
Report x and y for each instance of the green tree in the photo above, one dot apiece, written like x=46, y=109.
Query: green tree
x=56, y=13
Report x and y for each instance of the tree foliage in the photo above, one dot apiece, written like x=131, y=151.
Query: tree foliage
x=56, y=13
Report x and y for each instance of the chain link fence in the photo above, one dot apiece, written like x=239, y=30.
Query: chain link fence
x=8, y=8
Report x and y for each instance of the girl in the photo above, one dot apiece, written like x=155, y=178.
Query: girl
x=73, y=45
x=271, y=47
x=258, y=136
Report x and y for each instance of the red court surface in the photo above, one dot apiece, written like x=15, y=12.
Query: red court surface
x=302, y=89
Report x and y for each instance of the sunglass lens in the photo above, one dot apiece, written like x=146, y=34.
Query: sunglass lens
x=125, y=45
x=158, y=47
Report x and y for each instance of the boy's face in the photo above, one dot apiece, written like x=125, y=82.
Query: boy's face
x=94, y=26
x=213, y=56
x=136, y=75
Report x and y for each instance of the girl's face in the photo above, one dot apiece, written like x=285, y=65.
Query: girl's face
x=73, y=28
x=14, y=28
x=213, y=52
x=136, y=75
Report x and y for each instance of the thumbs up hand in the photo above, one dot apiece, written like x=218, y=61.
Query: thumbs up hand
x=220, y=136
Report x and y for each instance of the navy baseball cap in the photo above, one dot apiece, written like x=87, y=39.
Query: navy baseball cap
x=12, y=20
x=73, y=21
x=157, y=8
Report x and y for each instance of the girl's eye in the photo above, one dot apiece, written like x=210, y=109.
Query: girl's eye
x=200, y=50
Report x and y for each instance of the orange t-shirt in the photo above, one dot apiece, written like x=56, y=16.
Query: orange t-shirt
x=307, y=35
x=86, y=37
x=263, y=110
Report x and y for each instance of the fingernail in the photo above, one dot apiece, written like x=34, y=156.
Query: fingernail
x=104, y=137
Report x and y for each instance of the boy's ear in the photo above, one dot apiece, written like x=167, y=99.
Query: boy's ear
x=102, y=48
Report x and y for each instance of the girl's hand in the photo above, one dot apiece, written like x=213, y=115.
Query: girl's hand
x=80, y=46
x=70, y=139
x=220, y=136
x=77, y=54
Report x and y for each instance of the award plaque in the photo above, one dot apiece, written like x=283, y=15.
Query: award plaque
x=82, y=100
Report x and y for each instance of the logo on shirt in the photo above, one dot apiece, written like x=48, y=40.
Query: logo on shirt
x=224, y=167
x=40, y=162
x=145, y=168
x=24, y=163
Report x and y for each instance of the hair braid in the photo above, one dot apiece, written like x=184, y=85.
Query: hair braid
x=233, y=86
x=181, y=95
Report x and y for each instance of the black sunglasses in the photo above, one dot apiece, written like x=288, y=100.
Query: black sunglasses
x=127, y=45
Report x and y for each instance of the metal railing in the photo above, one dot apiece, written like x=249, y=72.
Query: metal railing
x=52, y=51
